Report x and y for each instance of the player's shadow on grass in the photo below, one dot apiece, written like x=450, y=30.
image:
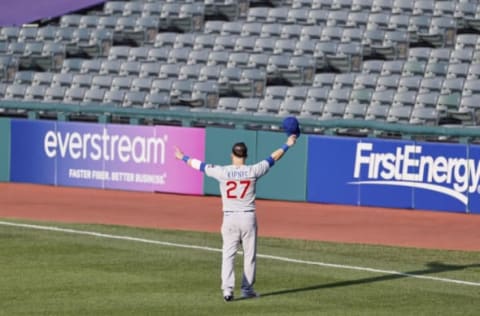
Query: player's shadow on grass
x=432, y=267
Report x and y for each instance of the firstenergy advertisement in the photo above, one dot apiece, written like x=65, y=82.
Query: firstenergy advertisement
x=109, y=156
x=391, y=173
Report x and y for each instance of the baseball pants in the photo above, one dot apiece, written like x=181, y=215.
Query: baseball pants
x=239, y=228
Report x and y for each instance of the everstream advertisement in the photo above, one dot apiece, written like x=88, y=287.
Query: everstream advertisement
x=390, y=173
x=139, y=158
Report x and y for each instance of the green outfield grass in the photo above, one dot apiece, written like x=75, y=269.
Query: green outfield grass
x=59, y=273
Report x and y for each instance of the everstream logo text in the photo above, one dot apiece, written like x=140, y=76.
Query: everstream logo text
x=103, y=146
x=406, y=166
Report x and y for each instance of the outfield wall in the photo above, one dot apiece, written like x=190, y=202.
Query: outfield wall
x=393, y=173
x=4, y=149
x=286, y=181
x=105, y=156
x=320, y=169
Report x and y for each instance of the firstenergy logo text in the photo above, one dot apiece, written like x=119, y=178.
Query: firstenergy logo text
x=408, y=167
x=103, y=146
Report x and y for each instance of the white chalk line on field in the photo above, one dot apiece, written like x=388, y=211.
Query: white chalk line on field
x=277, y=258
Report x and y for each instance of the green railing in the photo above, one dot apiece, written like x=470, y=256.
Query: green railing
x=186, y=117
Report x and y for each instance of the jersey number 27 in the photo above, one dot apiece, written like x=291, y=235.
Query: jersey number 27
x=232, y=188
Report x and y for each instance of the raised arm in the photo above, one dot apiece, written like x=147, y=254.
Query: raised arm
x=277, y=154
x=192, y=162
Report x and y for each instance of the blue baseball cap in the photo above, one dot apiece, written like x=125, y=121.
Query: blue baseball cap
x=291, y=126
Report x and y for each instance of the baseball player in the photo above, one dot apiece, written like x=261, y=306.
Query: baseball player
x=237, y=187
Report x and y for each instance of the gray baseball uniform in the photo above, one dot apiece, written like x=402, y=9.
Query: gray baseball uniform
x=237, y=187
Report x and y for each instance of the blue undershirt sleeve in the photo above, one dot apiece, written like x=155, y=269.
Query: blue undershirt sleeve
x=270, y=160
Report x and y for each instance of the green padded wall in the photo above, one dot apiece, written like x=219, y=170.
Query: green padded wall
x=287, y=180
x=4, y=149
x=218, y=148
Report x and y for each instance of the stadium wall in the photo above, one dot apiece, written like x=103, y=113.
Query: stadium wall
x=394, y=173
x=105, y=156
x=4, y=149
x=320, y=169
x=286, y=181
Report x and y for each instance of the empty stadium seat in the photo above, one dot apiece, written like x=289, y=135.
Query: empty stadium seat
x=317, y=94
x=184, y=40
x=94, y=66
x=276, y=92
x=384, y=97
x=94, y=96
x=114, y=7
x=150, y=69
x=363, y=81
x=121, y=83
x=426, y=116
x=324, y=80
x=372, y=66
x=42, y=79
x=70, y=20
x=55, y=94
x=427, y=100
x=404, y=98
x=377, y=112
x=141, y=84
x=134, y=99
x=399, y=114
x=459, y=70
x=119, y=53
x=361, y=96
x=70, y=65
x=409, y=83
x=181, y=90
x=432, y=84
x=248, y=105
x=251, y=83
x=162, y=85
x=27, y=34
x=74, y=95
x=82, y=80
x=138, y=53
x=108, y=67
x=10, y=33
x=24, y=77
x=228, y=104
x=238, y=59
x=179, y=55
x=159, y=54
x=355, y=111
x=388, y=82
x=205, y=94
x=35, y=93
x=333, y=110
x=268, y=106
x=204, y=41
x=130, y=68
x=157, y=100
x=290, y=107
x=62, y=79
x=114, y=97
x=448, y=102
x=210, y=73
x=312, y=109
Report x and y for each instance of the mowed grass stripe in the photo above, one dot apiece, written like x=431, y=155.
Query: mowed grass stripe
x=210, y=249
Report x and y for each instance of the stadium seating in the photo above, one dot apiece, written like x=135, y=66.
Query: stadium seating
x=408, y=61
